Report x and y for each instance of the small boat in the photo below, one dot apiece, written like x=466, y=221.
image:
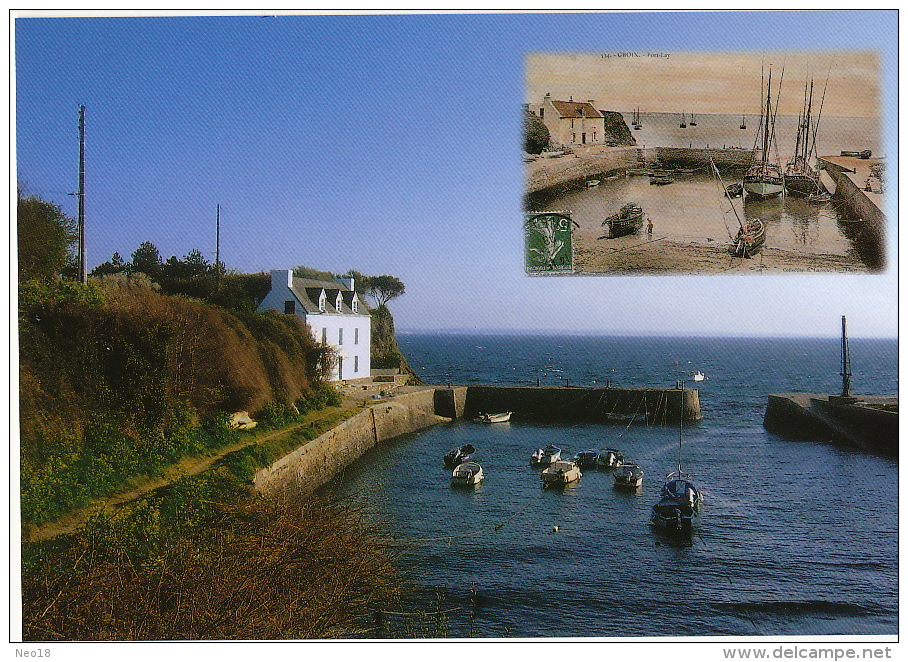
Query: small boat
x=735, y=190
x=693, y=121
x=609, y=459
x=819, y=197
x=637, y=124
x=661, y=177
x=467, y=473
x=685, y=171
x=502, y=417
x=763, y=178
x=560, y=472
x=680, y=499
x=628, y=476
x=628, y=220
x=546, y=456
x=592, y=183
x=459, y=455
x=586, y=459
x=683, y=124
x=865, y=154
x=638, y=171
x=749, y=240
x=699, y=376
x=743, y=122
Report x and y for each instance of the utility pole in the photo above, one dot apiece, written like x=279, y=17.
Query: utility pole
x=83, y=262
x=217, y=245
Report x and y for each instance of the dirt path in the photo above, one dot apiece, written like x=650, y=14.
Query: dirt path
x=189, y=466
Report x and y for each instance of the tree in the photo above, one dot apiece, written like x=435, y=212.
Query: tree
x=535, y=133
x=45, y=235
x=385, y=288
x=302, y=271
x=147, y=260
x=196, y=264
x=113, y=266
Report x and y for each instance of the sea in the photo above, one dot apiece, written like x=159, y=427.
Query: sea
x=796, y=537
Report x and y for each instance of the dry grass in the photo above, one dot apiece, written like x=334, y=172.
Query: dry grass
x=259, y=570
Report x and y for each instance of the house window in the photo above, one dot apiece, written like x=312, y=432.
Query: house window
x=340, y=367
x=573, y=137
x=354, y=305
x=541, y=113
x=338, y=302
x=289, y=307
x=594, y=136
x=324, y=335
x=583, y=137
x=322, y=301
x=355, y=364
x=340, y=336
x=356, y=335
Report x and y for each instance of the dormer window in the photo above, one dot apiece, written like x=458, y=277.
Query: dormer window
x=354, y=305
x=339, y=302
x=322, y=301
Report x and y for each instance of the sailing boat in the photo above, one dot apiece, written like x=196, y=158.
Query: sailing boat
x=693, y=122
x=680, y=500
x=637, y=124
x=743, y=122
x=683, y=124
x=751, y=235
x=763, y=178
x=800, y=176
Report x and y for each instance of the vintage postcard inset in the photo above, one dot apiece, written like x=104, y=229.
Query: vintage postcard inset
x=697, y=163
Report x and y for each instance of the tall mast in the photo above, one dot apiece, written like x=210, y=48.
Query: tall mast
x=846, y=362
x=83, y=262
x=680, y=422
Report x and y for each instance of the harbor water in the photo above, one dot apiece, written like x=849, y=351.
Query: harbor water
x=796, y=537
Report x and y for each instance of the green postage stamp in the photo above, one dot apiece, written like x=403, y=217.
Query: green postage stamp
x=548, y=242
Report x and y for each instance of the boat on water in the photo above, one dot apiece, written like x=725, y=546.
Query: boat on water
x=459, y=455
x=586, y=459
x=609, y=459
x=749, y=240
x=743, y=122
x=628, y=476
x=502, y=417
x=467, y=473
x=693, y=120
x=699, y=376
x=560, y=473
x=763, y=178
x=636, y=123
x=628, y=220
x=592, y=183
x=683, y=124
x=802, y=177
x=661, y=177
x=735, y=190
x=680, y=500
x=543, y=457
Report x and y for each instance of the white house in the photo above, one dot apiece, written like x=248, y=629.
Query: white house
x=337, y=315
x=571, y=122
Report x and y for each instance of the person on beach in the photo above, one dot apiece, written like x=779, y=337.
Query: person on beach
x=649, y=226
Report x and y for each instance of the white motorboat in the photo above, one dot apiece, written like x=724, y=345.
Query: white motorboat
x=544, y=457
x=468, y=473
x=560, y=472
x=502, y=417
x=699, y=376
x=628, y=476
x=609, y=459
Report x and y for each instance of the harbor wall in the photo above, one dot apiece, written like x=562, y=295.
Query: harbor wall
x=861, y=203
x=866, y=422
x=693, y=157
x=316, y=462
x=583, y=404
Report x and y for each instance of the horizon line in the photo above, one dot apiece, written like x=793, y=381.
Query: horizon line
x=621, y=334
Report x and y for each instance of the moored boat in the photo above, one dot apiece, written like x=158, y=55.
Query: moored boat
x=628, y=220
x=502, y=417
x=592, y=183
x=560, y=472
x=609, y=459
x=586, y=459
x=801, y=176
x=467, y=473
x=459, y=455
x=763, y=178
x=628, y=476
x=699, y=376
x=672, y=517
x=661, y=177
x=546, y=456
x=735, y=190
x=749, y=240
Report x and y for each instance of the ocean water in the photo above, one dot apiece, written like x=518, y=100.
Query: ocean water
x=795, y=538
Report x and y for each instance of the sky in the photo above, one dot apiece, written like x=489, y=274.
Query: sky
x=391, y=144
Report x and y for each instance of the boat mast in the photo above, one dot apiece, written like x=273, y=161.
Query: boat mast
x=846, y=362
x=680, y=422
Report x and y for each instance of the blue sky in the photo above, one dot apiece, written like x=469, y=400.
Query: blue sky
x=388, y=144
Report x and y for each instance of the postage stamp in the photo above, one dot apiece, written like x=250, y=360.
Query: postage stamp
x=548, y=242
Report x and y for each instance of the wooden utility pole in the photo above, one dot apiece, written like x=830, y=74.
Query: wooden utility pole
x=83, y=262
x=217, y=245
